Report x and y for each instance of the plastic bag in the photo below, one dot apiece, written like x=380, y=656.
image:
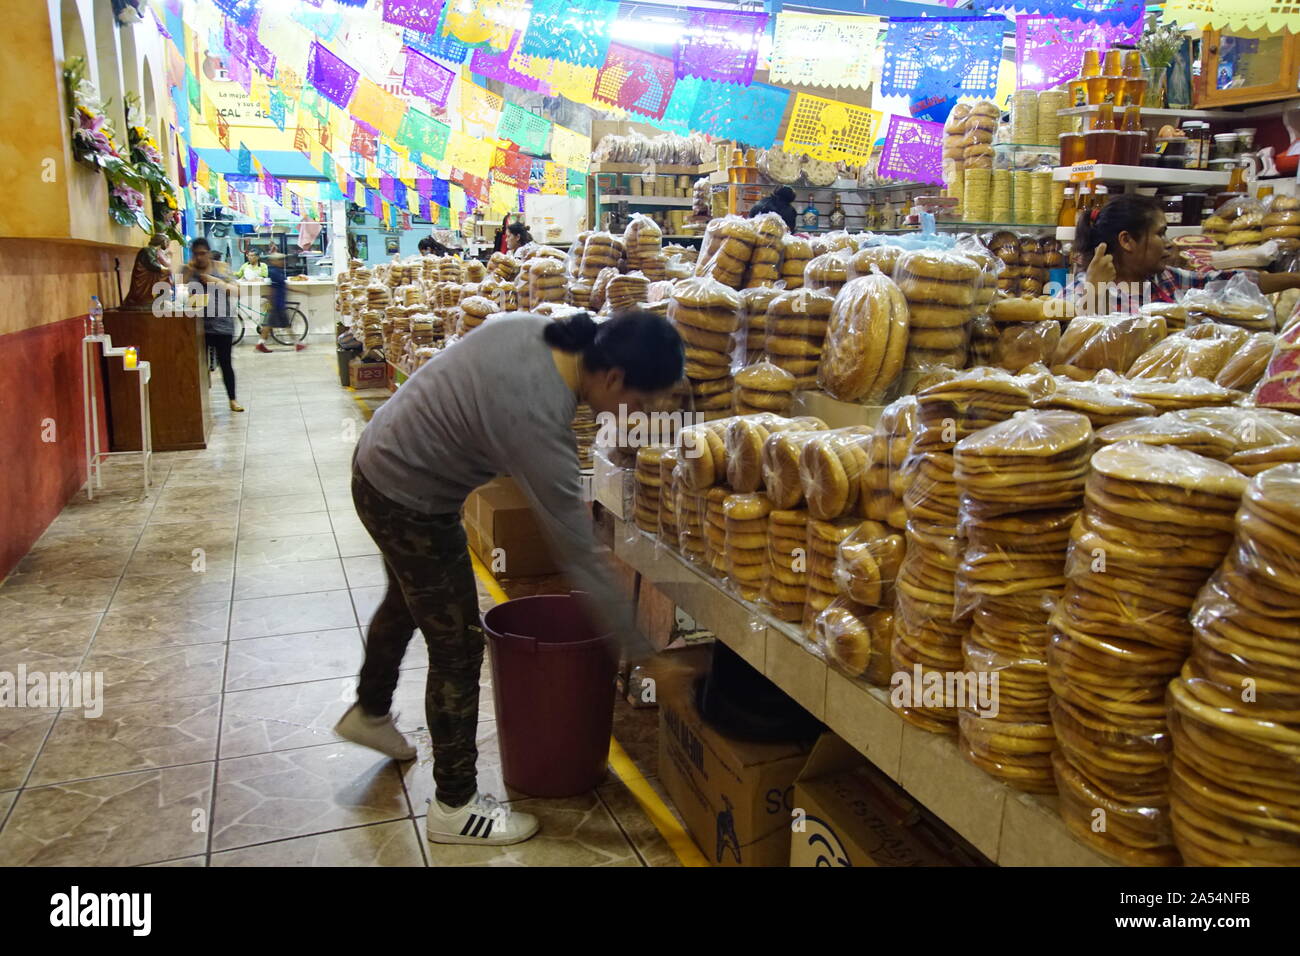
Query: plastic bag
x=726, y=250
x=1200, y=350
x=1093, y=342
x=745, y=542
x=786, y=589
x=883, y=482
x=867, y=564
x=715, y=533
x=1034, y=460
x=702, y=454
x=1236, y=301
x=949, y=410
x=646, y=495
x=795, y=255
x=707, y=315
x=866, y=340
x=627, y=291
x=667, y=505
x=753, y=306
x=782, y=453
x=856, y=639
x=689, y=508
x=883, y=257
x=1019, y=753
x=764, y=387
x=941, y=290
x=765, y=261
x=1022, y=345
x=601, y=251
x=832, y=465
x=1280, y=385
x=824, y=538
x=1185, y=393
x=540, y=280
x=796, y=332
x=743, y=442
x=1247, y=366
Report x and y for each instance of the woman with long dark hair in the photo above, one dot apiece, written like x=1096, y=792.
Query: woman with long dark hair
x=1126, y=254
x=501, y=401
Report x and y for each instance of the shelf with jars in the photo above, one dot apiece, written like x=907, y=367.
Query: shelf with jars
x=1147, y=175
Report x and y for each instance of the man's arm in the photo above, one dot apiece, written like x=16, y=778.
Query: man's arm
x=1270, y=282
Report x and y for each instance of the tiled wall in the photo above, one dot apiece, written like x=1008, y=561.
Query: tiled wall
x=45, y=290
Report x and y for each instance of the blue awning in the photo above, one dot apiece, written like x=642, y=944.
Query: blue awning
x=282, y=164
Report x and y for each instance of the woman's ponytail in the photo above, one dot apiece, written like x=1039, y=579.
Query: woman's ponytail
x=573, y=333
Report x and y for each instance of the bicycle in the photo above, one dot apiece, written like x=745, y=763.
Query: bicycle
x=291, y=334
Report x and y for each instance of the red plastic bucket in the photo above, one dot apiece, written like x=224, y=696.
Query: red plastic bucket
x=553, y=688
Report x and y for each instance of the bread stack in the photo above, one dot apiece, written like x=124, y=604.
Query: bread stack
x=726, y=250
x=1091, y=343
x=977, y=141
x=795, y=254
x=1101, y=403
x=688, y=507
x=867, y=566
x=866, y=340
x=745, y=517
x=1243, y=370
x=667, y=507
x=643, y=241
x=954, y=151
x=584, y=431
x=578, y=293
x=601, y=251
x=926, y=634
x=832, y=467
x=504, y=267
x=786, y=590
x=940, y=289
x=473, y=312
x=715, y=531
x=824, y=539
x=1173, y=431
x=626, y=291
x=856, y=639
x=1021, y=484
x=764, y=387
x=1156, y=522
x=744, y=439
x=886, y=452
x=765, y=262
x=1201, y=350
x=828, y=272
x=648, y=488
x=600, y=290
x=753, y=307
x=706, y=314
x=1183, y=394
x=796, y=330
x=1261, y=437
x=573, y=262
x=1234, y=790
x=540, y=280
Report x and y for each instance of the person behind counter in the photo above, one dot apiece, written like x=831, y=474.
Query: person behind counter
x=1126, y=253
x=218, y=324
x=502, y=401
x=517, y=235
x=779, y=201
x=253, y=268
x=499, y=237
x=152, y=266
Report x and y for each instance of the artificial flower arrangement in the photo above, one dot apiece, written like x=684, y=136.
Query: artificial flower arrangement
x=147, y=159
x=92, y=144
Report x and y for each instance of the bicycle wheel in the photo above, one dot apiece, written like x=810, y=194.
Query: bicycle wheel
x=295, y=331
x=239, y=329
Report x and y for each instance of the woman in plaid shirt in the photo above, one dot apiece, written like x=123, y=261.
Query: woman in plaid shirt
x=1126, y=253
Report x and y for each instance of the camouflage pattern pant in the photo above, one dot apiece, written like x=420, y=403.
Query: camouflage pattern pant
x=430, y=586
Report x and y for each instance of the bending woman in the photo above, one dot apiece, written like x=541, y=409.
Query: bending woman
x=501, y=401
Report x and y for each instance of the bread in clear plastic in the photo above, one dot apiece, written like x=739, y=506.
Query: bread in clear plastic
x=626, y=291
x=795, y=254
x=831, y=467
x=1171, y=430
x=745, y=516
x=1094, y=342
x=786, y=589
x=941, y=288
x=856, y=639
x=866, y=340
x=1172, y=396
x=1025, y=344
x=707, y=316
x=726, y=250
x=647, y=492
x=764, y=387
x=1200, y=350
x=796, y=332
x=601, y=251
x=1244, y=369
x=743, y=442
x=883, y=480
x=828, y=272
x=753, y=306
x=1236, y=301
x=765, y=260
x=667, y=504
x=824, y=538
x=867, y=564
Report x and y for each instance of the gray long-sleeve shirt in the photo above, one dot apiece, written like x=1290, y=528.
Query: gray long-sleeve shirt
x=493, y=404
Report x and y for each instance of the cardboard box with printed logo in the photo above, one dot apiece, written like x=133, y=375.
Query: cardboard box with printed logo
x=734, y=796
x=848, y=813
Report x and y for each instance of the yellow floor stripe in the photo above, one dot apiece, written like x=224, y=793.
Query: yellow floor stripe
x=366, y=410
x=651, y=805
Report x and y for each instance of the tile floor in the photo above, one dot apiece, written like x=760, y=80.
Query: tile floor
x=226, y=611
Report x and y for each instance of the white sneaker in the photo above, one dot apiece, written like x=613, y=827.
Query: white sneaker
x=377, y=733
x=484, y=821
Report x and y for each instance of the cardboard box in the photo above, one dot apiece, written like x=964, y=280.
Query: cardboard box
x=613, y=486
x=854, y=815
x=367, y=374
x=504, y=533
x=735, y=797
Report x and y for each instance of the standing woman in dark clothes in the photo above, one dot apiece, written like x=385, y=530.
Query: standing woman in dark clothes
x=218, y=323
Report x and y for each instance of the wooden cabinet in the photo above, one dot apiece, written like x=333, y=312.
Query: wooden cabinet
x=178, y=387
x=1243, y=67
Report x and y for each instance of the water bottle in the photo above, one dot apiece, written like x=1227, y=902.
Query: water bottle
x=96, y=316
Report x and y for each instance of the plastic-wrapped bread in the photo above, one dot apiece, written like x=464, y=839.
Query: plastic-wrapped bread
x=856, y=639
x=786, y=589
x=648, y=484
x=882, y=496
x=831, y=467
x=795, y=255
x=796, y=332
x=1247, y=366
x=707, y=315
x=1201, y=350
x=1094, y=342
x=940, y=289
x=625, y=291
x=753, y=305
x=824, y=539
x=726, y=250
x=782, y=480
x=867, y=566
x=764, y=387
x=1020, y=345
x=765, y=260
x=828, y=272
x=745, y=542
x=866, y=340
x=667, y=505
x=743, y=442
x=601, y=251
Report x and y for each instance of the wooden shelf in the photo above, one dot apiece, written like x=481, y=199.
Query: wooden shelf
x=610, y=199
x=1009, y=827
